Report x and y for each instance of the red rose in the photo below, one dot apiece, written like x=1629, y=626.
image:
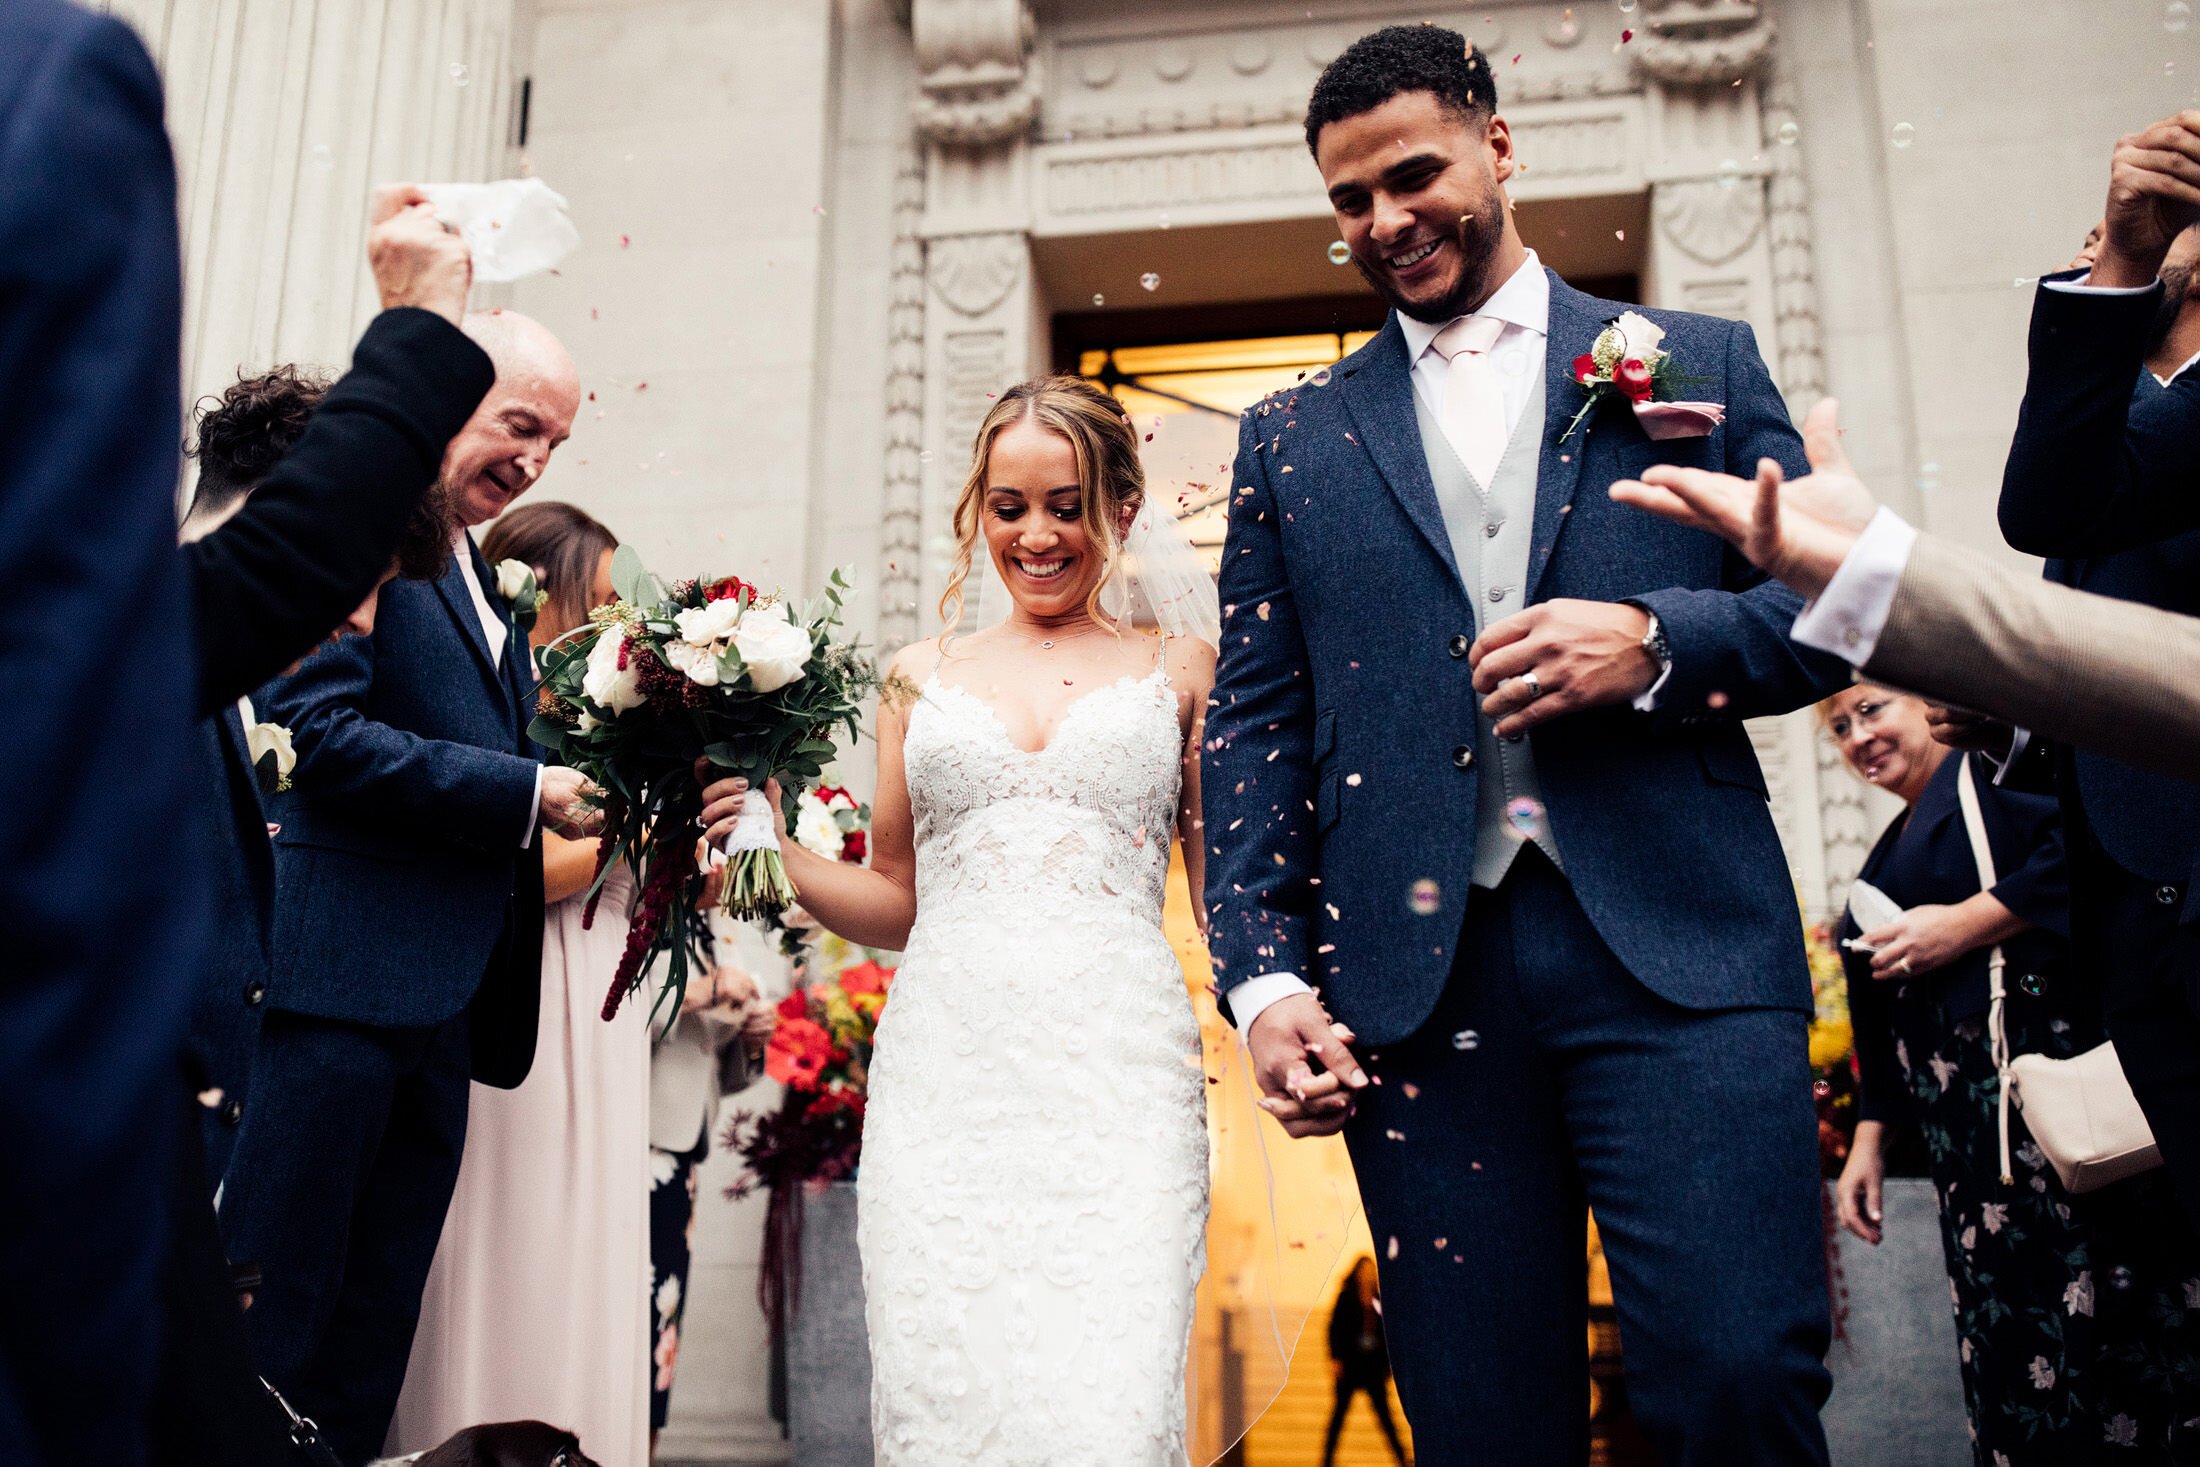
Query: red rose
x=853, y=848
x=798, y=1053
x=1633, y=378
x=866, y=977
x=827, y=793
x=1585, y=369
x=729, y=588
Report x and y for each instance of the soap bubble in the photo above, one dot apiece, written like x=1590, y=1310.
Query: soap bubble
x=2033, y=984
x=1821, y=1088
x=2120, y=1277
x=1425, y=897
x=1626, y=7
x=1928, y=478
x=2176, y=16
x=1150, y=280
x=1788, y=133
x=1340, y=253
x=1524, y=818
x=460, y=74
x=1903, y=135
x=1098, y=299
x=324, y=158
x=1730, y=173
x=1466, y=1039
x=1319, y=379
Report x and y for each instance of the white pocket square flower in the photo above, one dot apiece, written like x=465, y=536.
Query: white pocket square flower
x=513, y=579
x=1641, y=334
x=264, y=739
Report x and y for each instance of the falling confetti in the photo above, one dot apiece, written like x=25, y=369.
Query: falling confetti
x=1352, y=781
x=1466, y=1039
x=1625, y=37
x=1150, y=281
x=1391, y=1250
x=1340, y=253
x=1715, y=699
x=624, y=241
x=1425, y=897
x=1903, y=135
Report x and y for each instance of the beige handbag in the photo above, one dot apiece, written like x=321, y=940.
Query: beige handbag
x=2081, y=1111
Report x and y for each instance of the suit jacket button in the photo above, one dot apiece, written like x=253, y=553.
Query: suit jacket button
x=1459, y=645
x=1462, y=757
x=255, y=992
x=232, y=1112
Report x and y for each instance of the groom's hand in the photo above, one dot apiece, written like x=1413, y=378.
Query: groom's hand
x=1584, y=654
x=1287, y=1040
x=565, y=802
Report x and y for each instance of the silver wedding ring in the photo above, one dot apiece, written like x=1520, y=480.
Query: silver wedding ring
x=1903, y=966
x=1532, y=683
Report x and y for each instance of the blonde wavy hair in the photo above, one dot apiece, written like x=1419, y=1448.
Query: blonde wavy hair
x=1109, y=475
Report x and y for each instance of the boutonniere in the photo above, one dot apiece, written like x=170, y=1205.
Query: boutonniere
x=516, y=584
x=267, y=745
x=1626, y=362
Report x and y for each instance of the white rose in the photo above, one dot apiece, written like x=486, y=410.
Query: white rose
x=815, y=827
x=1641, y=334
x=699, y=663
x=606, y=683
x=590, y=722
x=512, y=579
x=714, y=622
x=774, y=647
x=262, y=739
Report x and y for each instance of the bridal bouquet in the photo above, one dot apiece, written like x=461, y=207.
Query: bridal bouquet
x=711, y=671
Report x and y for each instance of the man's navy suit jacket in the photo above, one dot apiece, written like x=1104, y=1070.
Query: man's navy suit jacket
x=1332, y=779
x=402, y=888
x=102, y=893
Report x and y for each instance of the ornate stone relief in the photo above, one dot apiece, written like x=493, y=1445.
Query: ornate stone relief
x=975, y=272
x=1701, y=42
x=1713, y=219
x=977, y=84
x=901, y=531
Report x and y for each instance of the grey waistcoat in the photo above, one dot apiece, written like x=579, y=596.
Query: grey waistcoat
x=1490, y=530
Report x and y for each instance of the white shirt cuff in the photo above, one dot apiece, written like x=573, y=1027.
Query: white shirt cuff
x=2079, y=287
x=534, y=811
x=1848, y=617
x=1249, y=998
x=1646, y=701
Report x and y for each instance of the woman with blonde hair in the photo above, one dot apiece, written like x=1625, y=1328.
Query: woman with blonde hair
x=1033, y=1193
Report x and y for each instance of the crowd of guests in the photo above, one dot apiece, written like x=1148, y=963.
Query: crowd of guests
x=320, y=1144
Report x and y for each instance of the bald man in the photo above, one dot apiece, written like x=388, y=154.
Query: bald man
x=408, y=930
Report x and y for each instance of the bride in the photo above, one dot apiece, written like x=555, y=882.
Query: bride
x=1033, y=1194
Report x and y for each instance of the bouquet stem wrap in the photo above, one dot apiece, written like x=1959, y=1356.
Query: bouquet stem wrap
x=756, y=878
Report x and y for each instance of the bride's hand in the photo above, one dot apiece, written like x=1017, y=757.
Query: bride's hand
x=1284, y=1037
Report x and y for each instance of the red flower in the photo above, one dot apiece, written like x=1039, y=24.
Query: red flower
x=795, y=1005
x=1585, y=369
x=1633, y=378
x=866, y=977
x=798, y=1053
x=729, y=588
x=853, y=848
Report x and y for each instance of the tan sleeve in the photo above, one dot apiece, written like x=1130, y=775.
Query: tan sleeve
x=2112, y=676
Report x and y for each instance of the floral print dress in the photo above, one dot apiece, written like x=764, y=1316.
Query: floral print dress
x=2078, y=1317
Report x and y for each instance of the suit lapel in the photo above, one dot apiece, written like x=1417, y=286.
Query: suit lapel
x=1574, y=324
x=457, y=600
x=1378, y=394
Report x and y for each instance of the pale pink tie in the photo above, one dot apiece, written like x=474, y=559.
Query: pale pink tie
x=1474, y=398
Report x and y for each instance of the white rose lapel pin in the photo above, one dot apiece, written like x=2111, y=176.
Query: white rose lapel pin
x=1626, y=364
x=516, y=583
x=267, y=745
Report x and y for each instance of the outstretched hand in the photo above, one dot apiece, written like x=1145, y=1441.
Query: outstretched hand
x=2153, y=194
x=1286, y=1041
x=417, y=259
x=1798, y=533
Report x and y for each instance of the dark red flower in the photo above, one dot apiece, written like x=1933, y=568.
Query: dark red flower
x=1633, y=378
x=729, y=588
x=1585, y=369
x=853, y=847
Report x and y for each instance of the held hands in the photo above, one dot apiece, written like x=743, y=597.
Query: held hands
x=1922, y=939
x=417, y=260
x=2153, y=194
x=1583, y=654
x=1285, y=1038
x=565, y=806
x=1797, y=533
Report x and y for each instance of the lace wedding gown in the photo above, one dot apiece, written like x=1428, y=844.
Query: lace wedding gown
x=1033, y=1194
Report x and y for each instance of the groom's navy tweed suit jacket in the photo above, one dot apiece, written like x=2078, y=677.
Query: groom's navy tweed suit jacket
x=402, y=891
x=1341, y=657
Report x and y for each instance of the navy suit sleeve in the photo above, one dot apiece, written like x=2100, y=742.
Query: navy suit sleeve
x=2087, y=474
x=1257, y=774
x=1730, y=646
x=318, y=534
x=386, y=777
x=2025, y=831
x=102, y=956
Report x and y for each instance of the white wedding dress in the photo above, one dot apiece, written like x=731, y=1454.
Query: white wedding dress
x=1033, y=1193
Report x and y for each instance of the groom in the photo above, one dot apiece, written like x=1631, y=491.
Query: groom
x=1476, y=771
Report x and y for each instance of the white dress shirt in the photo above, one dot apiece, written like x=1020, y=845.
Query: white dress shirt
x=494, y=630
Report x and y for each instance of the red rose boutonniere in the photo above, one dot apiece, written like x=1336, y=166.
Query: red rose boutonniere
x=1625, y=361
